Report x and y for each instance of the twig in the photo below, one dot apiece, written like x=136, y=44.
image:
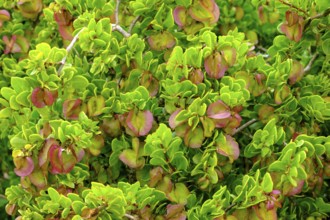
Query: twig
x=324, y=14
x=116, y=27
x=309, y=65
x=117, y=12
x=293, y=6
x=130, y=216
x=247, y=124
x=133, y=24
x=68, y=49
x=231, y=206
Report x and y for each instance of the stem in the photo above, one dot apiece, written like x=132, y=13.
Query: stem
x=324, y=14
x=130, y=216
x=231, y=206
x=117, y=12
x=116, y=27
x=293, y=6
x=68, y=49
x=247, y=124
x=133, y=24
x=309, y=65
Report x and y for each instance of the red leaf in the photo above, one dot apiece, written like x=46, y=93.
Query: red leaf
x=37, y=98
x=215, y=66
x=140, y=123
x=67, y=160
x=24, y=166
x=72, y=108
x=218, y=110
x=38, y=179
x=54, y=156
x=179, y=14
x=44, y=153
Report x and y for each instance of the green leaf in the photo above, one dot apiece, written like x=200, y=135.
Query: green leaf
x=53, y=194
x=77, y=206
x=277, y=166
x=5, y=113
x=7, y=92
x=19, y=84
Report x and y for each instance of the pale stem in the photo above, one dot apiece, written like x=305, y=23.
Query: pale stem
x=309, y=65
x=247, y=124
x=116, y=27
x=117, y=12
x=130, y=216
x=68, y=49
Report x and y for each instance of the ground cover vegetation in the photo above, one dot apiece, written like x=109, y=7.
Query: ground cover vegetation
x=165, y=110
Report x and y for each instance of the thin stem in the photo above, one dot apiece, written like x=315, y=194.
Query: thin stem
x=117, y=12
x=247, y=124
x=116, y=27
x=130, y=216
x=231, y=206
x=309, y=65
x=68, y=49
x=293, y=6
x=324, y=14
x=133, y=24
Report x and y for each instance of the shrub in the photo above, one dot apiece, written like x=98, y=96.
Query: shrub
x=201, y=109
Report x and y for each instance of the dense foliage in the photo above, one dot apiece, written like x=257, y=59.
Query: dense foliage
x=150, y=109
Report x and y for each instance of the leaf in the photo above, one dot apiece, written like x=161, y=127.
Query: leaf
x=53, y=194
x=77, y=206
x=218, y=110
x=130, y=158
x=267, y=183
x=140, y=123
x=277, y=166
x=19, y=84
x=24, y=166
x=5, y=113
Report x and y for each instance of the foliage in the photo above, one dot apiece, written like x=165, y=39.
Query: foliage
x=202, y=109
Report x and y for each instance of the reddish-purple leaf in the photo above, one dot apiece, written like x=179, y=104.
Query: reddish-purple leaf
x=48, y=97
x=80, y=155
x=44, y=153
x=67, y=160
x=38, y=179
x=205, y=11
x=72, y=108
x=218, y=110
x=215, y=66
x=140, y=123
x=172, y=122
x=24, y=166
x=180, y=14
x=228, y=149
x=296, y=190
x=54, y=156
x=37, y=98
x=4, y=16
x=293, y=26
